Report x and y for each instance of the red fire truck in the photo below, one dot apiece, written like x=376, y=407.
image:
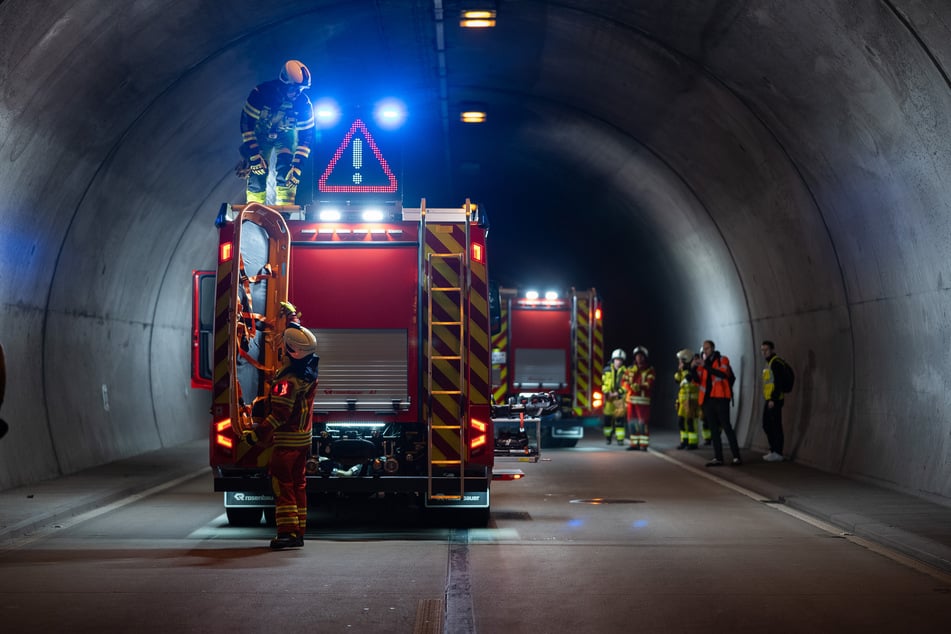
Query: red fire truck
x=551, y=343
x=399, y=301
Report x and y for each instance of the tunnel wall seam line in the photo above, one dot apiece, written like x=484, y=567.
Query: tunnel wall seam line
x=903, y=19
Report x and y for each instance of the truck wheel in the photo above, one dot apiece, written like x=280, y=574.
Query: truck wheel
x=242, y=516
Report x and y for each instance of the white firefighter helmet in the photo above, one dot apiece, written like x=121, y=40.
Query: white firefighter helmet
x=618, y=354
x=685, y=355
x=294, y=73
x=642, y=350
x=300, y=342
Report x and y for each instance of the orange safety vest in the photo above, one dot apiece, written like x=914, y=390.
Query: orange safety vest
x=719, y=386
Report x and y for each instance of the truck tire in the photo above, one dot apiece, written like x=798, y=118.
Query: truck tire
x=243, y=516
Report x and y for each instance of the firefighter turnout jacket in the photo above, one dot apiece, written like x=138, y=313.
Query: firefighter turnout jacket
x=688, y=397
x=638, y=384
x=611, y=384
x=271, y=121
x=290, y=402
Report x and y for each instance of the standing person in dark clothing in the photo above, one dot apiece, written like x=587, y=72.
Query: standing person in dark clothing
x=716, y=392
x=287, y=424
x=775, y=380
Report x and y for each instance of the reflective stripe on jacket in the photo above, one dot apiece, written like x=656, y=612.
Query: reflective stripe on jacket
x=689, y=394
x=291, y=400
x=611, y=382
x=639, y=383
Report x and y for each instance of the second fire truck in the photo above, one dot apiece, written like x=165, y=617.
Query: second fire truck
x=551, y=342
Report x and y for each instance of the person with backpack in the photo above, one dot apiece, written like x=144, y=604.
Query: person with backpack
x=777, y=381
x=716, y=394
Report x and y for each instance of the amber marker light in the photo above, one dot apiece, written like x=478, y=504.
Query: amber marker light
x=472, y=116
x=477, y=19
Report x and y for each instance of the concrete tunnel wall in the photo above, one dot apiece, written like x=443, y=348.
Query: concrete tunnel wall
x=782, y=165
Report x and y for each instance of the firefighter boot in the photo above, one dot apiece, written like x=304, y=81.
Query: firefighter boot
x=287, y=541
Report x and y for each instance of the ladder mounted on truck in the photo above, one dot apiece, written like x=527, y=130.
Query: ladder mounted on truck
x=444, y=275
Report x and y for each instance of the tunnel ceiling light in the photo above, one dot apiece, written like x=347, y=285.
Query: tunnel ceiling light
x=472, y=116
x=477, y=19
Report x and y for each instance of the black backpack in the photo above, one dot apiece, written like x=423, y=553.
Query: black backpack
x=785, y=378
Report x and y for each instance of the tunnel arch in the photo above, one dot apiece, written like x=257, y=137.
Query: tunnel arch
x=812, y=138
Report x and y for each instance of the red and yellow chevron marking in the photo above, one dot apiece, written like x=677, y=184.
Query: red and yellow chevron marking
x=583, y=357
x=447, y=443
x=597, y=349
x=221, y=374
x=480, y=353
x=447, y=306
x=500, y=342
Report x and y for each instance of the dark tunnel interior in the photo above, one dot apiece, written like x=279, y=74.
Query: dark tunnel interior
x=734, y=171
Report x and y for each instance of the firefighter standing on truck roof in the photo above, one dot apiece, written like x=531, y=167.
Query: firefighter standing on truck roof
x=288, y=425
x=614, y=414
x=638, y=382
x=277, y=118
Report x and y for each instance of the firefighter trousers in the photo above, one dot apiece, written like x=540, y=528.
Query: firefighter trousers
x=614, y=427
x=688, y=431
x=282, y=147
x=639, y=417
x=289, y=481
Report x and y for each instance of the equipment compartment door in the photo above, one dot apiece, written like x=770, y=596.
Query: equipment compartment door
x=203, y=327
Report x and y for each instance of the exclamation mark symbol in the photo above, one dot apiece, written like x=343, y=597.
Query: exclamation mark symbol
x=357, y=160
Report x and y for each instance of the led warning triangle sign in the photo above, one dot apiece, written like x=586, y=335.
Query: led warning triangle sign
x=358, y=166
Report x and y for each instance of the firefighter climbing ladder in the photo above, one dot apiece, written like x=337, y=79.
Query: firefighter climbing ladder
x=444, y=264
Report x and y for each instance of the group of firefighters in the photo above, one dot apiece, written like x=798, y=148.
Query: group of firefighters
x=627, y=400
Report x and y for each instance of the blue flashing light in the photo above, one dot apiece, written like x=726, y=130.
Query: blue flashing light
x=390, y=114
x=327, y=112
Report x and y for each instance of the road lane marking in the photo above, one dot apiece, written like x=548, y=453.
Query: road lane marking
x=58, y=525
